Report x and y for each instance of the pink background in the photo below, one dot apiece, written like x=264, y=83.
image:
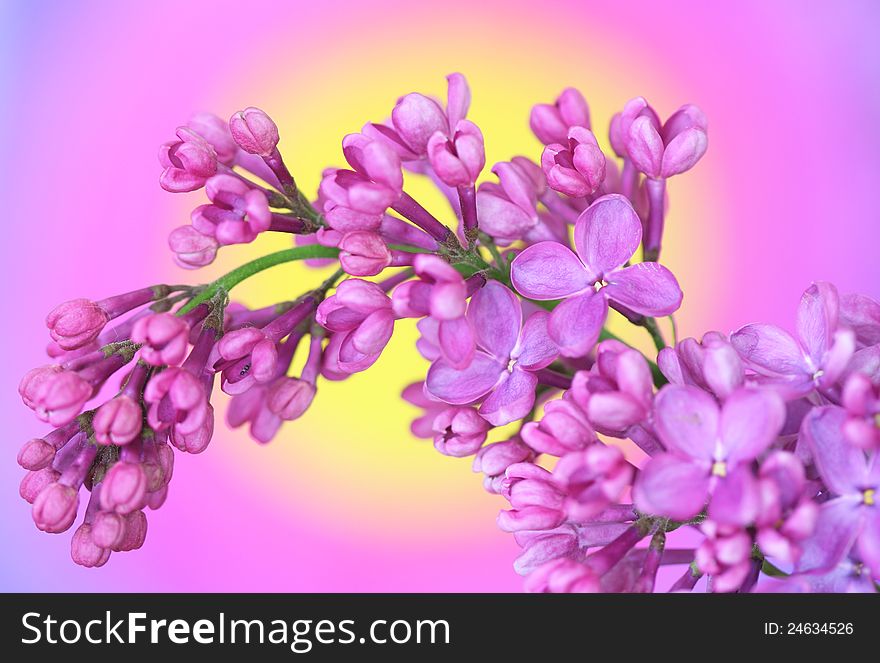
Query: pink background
x=345, y=499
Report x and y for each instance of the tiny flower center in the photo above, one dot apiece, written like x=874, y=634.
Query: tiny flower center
x=598, y=285
x=719, y=468
x=869, y=497
x=818, y=374
x=510, y=365
x=244, y=370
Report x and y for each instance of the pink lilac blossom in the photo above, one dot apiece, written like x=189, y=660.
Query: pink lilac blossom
x=606, y=236
x=752, y=452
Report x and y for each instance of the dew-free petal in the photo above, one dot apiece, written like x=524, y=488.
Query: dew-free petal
x=750, y=420
x=647, y=288
x=459, y=387
x=817, y=317
x=843, y=466
x=512, y=399
x=607, y=234
x=576, y=323
x=496, y=316
x=769, y=349
x=671, y=487
x=548, y=270
x=536, y=349
x=687, y=420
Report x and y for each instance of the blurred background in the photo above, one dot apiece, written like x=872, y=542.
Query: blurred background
x=345, y=499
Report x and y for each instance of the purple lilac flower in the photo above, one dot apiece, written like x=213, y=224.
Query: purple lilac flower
x=617, y=392
x=187, y=162
x=787, y=514
x=551, y=122
x=164, y=338
x=357, y=199
x=423, y=425
x=861, y=314
x=861, y=399
x=508, y=210
x=78, y=322
x=711, y=364
x=508, y=355
x=663, y=151
x=577, y=167
x=494, y=459
x=743, y=443
x=563, y=428
x=359, y=315
x=191, y=248
x=440, y=293
x=606, y=236
x=815, y=359
x=459, y=431
x=850, y=521
x=254, y=132
x=709, y=449
x=416, y=119
x=237, y=213
x=725, y=554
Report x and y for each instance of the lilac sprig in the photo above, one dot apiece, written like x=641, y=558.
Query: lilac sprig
x=741, y=462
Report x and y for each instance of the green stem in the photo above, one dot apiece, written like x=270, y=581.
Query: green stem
x=674, y=329
x=489, y=243
x=651, y=325
x=236, y=276
x=406, y=248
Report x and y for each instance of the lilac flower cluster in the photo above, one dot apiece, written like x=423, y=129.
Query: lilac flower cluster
x=758, y=466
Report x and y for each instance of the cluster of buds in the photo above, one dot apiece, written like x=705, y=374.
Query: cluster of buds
x=761, y=444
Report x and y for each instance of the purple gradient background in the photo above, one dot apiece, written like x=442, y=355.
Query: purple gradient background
x=785, y=195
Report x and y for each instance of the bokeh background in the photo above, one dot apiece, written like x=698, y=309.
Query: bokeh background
x=345, y=499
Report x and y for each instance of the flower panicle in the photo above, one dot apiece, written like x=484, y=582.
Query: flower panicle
x=738, y=462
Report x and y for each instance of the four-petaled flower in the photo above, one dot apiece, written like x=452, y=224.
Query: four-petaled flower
x=815, y=359
x=708, y=452
x=606, y=236
x=504, y=364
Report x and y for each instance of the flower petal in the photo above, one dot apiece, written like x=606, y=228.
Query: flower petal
x=457, y=341
x=836, y=529
x=459, y=387
x=769, y=350
x=722, y=368
x=672, y=487
x=535, y=348
x=373, y=334
x=837, y=359
x=647, y=288
x=517, y=187
x=500, y=217
x=861, y=314
x=869, y=542
x=842, y=465
x=607, y=234
x=645, y=146
x=683, y=151
x=736, y=499
x=496, y=316
x=416, y=118
x=576, y=323
x=687, y=420
x=750, y=421
x=548, y=270
x=458, y=99
x=817, y=319
x=512, y=398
